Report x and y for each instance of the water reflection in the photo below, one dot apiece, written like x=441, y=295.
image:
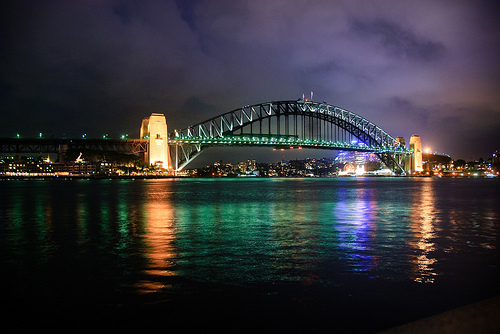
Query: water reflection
x=82, y=216
x=297, y=240
x=354, y=221
x=423, y=222
x=159, y=236
x=112, y=236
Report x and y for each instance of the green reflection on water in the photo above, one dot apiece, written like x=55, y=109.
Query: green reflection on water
x=142, y=233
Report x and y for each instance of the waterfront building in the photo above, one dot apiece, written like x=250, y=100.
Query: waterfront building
x=40, y=169
x=242, y=166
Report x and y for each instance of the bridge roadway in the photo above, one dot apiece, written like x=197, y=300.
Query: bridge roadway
x=61, y=145
x=134, y=146
x=281, y=142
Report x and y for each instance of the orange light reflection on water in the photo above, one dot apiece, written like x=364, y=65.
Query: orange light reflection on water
x=158, y=236
x=423, y=229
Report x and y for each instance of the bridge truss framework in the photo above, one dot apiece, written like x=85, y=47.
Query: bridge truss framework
x=285, y=124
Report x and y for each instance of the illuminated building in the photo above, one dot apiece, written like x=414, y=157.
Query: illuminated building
x=416, y=156
x=401, y=141
x=154, y=128
x=242, y=165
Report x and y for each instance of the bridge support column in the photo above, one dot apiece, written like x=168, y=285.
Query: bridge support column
x=181, y=154
x=63, y=149
x=176, y=157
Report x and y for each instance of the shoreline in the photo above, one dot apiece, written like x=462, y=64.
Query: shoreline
x=145, y=177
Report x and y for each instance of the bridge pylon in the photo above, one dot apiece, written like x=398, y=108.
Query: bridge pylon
x=154, y=128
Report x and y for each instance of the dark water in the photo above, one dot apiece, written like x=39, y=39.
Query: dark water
x=314, y=254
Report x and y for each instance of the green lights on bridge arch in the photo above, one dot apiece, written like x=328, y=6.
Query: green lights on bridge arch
x=276, y=141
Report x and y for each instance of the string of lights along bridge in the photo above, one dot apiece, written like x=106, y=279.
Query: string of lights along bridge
x=278, y=125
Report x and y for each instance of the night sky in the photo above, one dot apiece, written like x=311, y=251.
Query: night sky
x=430, y=68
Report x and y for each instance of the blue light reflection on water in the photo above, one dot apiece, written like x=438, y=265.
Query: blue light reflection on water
x=141, y=236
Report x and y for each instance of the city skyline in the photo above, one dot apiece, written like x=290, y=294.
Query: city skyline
x=100, y=67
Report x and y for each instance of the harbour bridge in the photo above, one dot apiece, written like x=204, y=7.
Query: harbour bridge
x=287, y=124
x=278, y=124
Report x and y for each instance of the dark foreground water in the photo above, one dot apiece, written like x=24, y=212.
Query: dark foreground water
x=356, y=254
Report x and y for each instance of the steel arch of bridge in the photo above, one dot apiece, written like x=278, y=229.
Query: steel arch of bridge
x=284, y=124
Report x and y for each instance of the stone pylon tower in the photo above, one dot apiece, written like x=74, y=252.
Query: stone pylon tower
x=416, y=156
x=154, y=128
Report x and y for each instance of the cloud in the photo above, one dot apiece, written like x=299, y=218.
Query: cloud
x=398, y=41
x=452, y=128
